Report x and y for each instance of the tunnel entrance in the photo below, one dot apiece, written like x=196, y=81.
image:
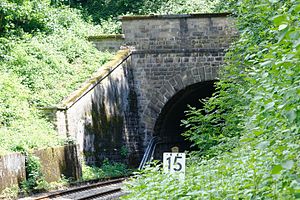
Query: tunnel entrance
x=168, y=127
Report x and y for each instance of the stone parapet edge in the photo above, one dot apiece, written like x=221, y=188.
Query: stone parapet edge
x=106, y=37
x=174, y=16
x=164, y=51
x=99, y=75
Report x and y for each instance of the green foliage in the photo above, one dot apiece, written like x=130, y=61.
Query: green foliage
x=21, y=126
x=114, y=169
x=248, y=132
x=177, y=6
x=62, y=183
x=35, y=181
x=13, y=98
x=10, y=193
x=107, y=170
x=91, y=172
x=18, y=17
x=44, y=55
x=51, y=67
x=124, y=151
x=106, y=12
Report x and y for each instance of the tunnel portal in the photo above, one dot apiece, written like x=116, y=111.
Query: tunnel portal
x=168, y=125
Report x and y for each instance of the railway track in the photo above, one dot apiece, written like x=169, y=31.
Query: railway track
x=97, y=191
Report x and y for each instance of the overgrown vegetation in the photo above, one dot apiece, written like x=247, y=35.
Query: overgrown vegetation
x=35, y=180
x=44, y=55
x=248, y=132
x=106, y=12
x=108, y=169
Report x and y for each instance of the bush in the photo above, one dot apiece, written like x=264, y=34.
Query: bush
x=107, y=170
x=35, y=181
x=53, y=66
x=44, y=56
x=21, y=127
x=106, y=13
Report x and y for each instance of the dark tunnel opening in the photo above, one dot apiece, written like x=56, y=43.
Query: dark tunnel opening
x=168, y=125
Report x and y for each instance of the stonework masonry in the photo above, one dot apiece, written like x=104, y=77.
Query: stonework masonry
x=55, y=162
x=170, y=53
x=109, y=42
x=102, y=115
x=12, y=170
x=113, y=114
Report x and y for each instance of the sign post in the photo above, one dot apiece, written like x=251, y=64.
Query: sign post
x=174, y=163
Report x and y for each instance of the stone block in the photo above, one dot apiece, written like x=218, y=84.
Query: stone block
x=56, y=161
x=12, y=170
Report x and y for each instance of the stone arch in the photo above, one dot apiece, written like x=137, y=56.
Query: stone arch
x=167, y=125
x=169, y=89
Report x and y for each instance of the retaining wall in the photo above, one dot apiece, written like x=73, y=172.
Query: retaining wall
x=58, y=161
x=55, y=162
x=98, y=115
x=12, y=170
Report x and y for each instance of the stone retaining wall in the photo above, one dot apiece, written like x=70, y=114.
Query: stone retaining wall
x=56, y=161
x=102, y=115
x=12, y=170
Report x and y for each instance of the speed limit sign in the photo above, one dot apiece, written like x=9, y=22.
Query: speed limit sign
x=174, y=163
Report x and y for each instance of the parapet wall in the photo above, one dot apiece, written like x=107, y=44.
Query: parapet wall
x=174, y=32
x=107, y=42
x=58, y=161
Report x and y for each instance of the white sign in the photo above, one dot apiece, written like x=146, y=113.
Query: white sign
x=174, y=163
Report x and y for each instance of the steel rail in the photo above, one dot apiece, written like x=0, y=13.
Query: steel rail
x=83, y=188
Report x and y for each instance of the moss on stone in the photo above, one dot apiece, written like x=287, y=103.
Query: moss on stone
x=106, y=37
x=175, y=16
x=101, y=73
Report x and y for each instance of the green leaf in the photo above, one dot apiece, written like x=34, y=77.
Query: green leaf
x=291, y=115
x=266, y=63
x=296, y=43
x=263, y=145
x=294, y=35
x=278, y=19
x=288, y=164
x=297, y=8
x=282, y=26
x=276, y=169
x=270, y=105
